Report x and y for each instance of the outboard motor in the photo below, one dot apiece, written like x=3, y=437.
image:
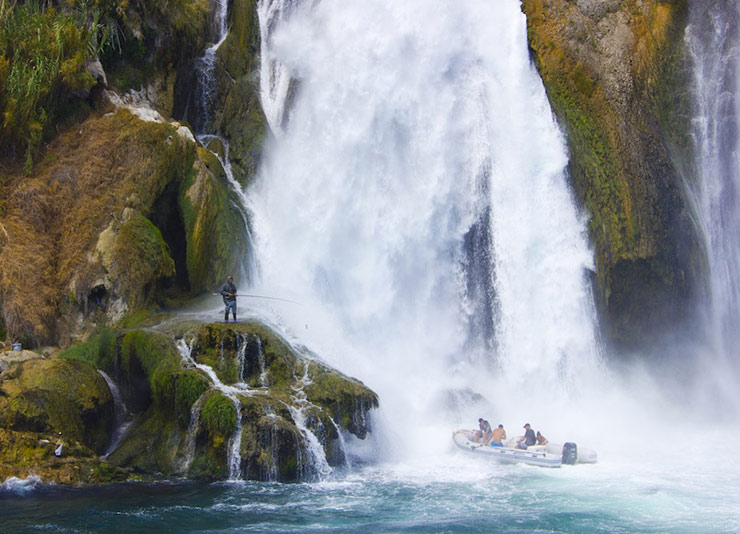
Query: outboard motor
x=570, y=453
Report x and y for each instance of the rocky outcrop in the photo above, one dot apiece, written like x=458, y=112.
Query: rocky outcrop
x=262, y=418
x=55, y=420
x=234, y=109
x=611, y=70
x=117, y=216
x=215, y=226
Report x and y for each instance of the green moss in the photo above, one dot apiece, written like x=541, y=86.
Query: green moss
x=140, y=259
x=219, y=416
x=105, y=473
x=189, y=386
x=99, y=351
x=214, y=224
x=152, y=445
x=157, y=357
x=58, y=396
x=346, y=400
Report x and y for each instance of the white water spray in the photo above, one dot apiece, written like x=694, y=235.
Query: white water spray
x=714, y=41
x=416, y=203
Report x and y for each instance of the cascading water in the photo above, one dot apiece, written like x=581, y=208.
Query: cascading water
x=416, y=203
x=714, y=42
x=319, y=467
x=231, y=392
x=123, y=417
x=206, y=65
x=205, y=90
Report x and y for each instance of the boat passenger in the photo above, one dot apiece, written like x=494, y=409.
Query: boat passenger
x=527, y=439
x=499, y=435
x=541, y=440
x=484, y=434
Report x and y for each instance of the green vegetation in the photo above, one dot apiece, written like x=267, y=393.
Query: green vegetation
x=43, y=55
x=99, y=351
x=139, y=259
x=219, y=416
x=58, y=396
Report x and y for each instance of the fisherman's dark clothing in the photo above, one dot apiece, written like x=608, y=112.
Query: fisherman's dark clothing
x=229, y=301
x=529, y=438
x=225, y=290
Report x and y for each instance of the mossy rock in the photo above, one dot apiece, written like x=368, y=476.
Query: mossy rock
x=104, y=176
x=185, y=424
x=348, y=401
x=140, y=261
x=152, y=446
x=611, y=75
x=214, y=225
x=64, y=397
x=25, y=454
x=100, y=350
x=218, y=417
x=271, y=443
x=238, y=112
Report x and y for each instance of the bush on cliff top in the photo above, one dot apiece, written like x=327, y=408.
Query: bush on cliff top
x=43, y=54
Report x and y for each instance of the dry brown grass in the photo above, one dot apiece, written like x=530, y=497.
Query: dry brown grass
x=51, y=222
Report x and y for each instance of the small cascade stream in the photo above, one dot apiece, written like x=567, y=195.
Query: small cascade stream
x=206, y=65
x=232, y=392
x=193, y=429
x=204, y=104
x=123, y=416
x=319, y=467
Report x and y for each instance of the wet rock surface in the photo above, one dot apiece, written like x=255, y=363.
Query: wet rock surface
x=615, y=74
x=208, y=401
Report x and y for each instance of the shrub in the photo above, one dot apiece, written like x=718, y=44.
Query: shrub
x=219, y=415
x=43, y=55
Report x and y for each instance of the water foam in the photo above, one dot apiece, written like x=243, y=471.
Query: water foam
x=415, y=201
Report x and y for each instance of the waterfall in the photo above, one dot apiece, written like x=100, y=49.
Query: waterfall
x=416, y=202
x=192, y=434
x=319, y=466
x=206, y=65
x=123, y=417
x=713, y=39
x=204, y=93
x=233, y=460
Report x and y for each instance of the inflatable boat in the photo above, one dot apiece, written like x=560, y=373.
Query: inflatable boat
x=550, y=455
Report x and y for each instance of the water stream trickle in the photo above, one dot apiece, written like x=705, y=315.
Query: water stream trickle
x=232, y=393
x=123, y=417
x=300, y=405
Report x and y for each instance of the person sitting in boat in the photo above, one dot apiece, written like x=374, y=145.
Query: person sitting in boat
x=499, y=435
x=527, y=439
x=484, y=434
x=541, y=440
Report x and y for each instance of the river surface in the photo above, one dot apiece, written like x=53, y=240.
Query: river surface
x=675, y=491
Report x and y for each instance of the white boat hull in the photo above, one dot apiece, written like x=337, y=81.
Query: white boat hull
x=550, y=455
x=463, y=439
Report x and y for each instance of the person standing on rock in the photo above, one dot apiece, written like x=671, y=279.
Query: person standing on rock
x=228, y=292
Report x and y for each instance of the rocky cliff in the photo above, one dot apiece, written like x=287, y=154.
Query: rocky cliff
x=225, y=401
x=615, y=74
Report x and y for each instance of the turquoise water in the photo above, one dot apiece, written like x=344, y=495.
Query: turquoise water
x=456, y=495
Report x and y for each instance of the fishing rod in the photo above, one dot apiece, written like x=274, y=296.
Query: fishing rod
x=261, y=297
